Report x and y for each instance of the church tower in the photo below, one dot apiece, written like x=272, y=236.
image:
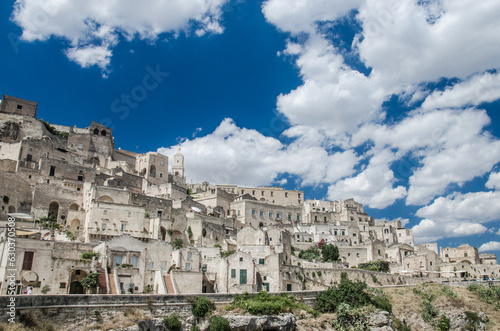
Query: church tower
x=178, y=165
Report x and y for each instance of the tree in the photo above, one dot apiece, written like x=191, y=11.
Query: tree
x=178, y=243
x=90, y=280
x=330, y=253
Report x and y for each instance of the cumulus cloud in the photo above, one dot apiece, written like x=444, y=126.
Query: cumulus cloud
x=373, y=186
x=493, y=180
x=93, y=27
x=490, y=246
x=478, y=207
x=474, y=91
x=429, y=230
x=241, y=156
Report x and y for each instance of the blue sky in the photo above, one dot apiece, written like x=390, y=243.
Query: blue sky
x=392, y=103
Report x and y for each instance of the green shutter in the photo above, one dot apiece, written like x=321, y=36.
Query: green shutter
x=233, y=273
x=243, y=276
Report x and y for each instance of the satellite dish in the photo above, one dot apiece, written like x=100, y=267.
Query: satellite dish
x=196, y=209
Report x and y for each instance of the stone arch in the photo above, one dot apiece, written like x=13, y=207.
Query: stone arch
x=75, y=225
x=75, y=284
x=176, y=234
x=163, y=232
x=105, y=198
x=12, y=209
x=96, y=131
x=73, y=207
x=152, y=170
x=103, y=133
x=95, y=161
x=262, y=199
x=53, y=210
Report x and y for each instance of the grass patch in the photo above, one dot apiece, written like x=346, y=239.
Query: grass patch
x=265, y=304
x=490, y=295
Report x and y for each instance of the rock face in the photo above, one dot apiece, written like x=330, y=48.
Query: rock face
x=461, y=321
x=284, y=322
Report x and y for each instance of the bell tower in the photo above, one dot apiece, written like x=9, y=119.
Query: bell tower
x=178, y=165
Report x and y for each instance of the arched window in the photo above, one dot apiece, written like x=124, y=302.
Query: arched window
x=152, y=170
x=103, y=133
x=96, y=131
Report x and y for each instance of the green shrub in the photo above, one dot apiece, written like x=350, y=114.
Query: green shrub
x=45, y=289
x=319, y=273
x=226, y=253
x=312, y=253
x=352, y=293
x=202, y=306
x=449, y=292
x=195, y=328
x=178, y=243
x=379, y=266
x=347, y=319
x=313, y=274
x=219, y=323
x=265, y=304
x=374, y=279
x=204, y=233
x=397, y=325
x=89, y=255
x=429, y=313
x=443, y=323
x=172, y=323
x=473, y=321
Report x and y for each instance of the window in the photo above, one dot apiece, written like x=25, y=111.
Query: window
x=354, y=235
x=289, y=217
x=299, y=195
x=262, y=193
x=238, y=212
x=272, y=194
x=78, y=272
x=270, y=239
x=189, y=255
x=151, y=266
x=465, y=254
x=298, y=217
x=29, y=157
x=253, y=192
x=357, y=254
x=378, y=252
x=261, y=261
x=133, y=261
x=286, y=194
x=253, y=212
x=104, y=212
x=28, y=260
x=188, y=266
x=161, y=162
x=343, y=233
x=103, y=226
x=348, y=254
x=161, y=175
x=62, y=285
x=80, y=178
x=19, y=107
x=80, y=146
x=278, y=215
x=386, y=231
x=52, y=171
x=241, y=259
x=117, y=260
x=159, y=213
x=233, y=273
x=325, y=219
x=124, y=227
x=261, y=213
x=335, y=232
x=446, y=255
x=315, y=218
x=270, y=215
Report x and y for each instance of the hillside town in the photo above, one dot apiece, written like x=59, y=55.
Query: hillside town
x=87, y=217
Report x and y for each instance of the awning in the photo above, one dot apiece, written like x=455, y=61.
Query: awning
x=21, y=216
x=26, y=233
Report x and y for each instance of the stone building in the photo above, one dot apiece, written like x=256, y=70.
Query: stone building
x=72, y=192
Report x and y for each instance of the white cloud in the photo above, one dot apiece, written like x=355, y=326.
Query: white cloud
x=91, y=26
x=474, y=91
x=373, y=186
x=480, y=207
x=452, y=165
x=493, y=181
x=498, y=232
x=406, y=42
x=490, y=246
x=429, y=231
x=298, y=16
x=246, y=157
